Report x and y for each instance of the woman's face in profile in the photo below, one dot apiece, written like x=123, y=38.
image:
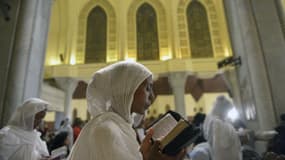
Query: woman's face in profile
x=143, y=96
x=39, y=117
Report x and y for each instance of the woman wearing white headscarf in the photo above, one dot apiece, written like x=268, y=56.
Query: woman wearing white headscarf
x=113, y=94
x=222, y=137
x=19, y=140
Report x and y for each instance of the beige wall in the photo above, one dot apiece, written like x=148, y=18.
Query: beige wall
x=68, y=26
x=81, y=106
x=50, y=116
x=159, y=104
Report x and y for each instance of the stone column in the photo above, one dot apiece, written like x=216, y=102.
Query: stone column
x=280, y=5
x=243, y=17
x=27, y=51
x=230, y=78
x=272, y=41
x=246, y=43
x=177, y=82
x=68, y=85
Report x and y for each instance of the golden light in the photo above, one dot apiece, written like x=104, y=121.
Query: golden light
x=127, y=58
x=54, y=61
x=164, y=58
x=227, y=53
x=72, y=59
x=130, y=59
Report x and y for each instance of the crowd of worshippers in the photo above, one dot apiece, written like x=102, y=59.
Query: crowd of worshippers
x=118, y=97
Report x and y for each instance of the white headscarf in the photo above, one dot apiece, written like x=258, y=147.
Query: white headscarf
x=112, y=88
x=220, y=134
x=18, y=138
x=24, y=115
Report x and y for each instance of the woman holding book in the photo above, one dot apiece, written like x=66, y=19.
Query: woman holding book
x=113, y=94
x=19, y=140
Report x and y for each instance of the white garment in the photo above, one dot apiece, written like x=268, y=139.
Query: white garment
x=19, y=140
x=201, y=152
x=106, y=137
x=220, y=134
x=18, y=144
x=109, y=135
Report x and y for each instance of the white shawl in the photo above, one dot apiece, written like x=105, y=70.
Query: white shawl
x=109, y=135
x=220, y=134
x=106, y=137
x=19, y=140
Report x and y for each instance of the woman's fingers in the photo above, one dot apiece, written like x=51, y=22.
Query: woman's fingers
x=146, y=145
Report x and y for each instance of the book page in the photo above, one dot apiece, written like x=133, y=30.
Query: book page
x=163, y=126
x=181, y=125
x=61, y=151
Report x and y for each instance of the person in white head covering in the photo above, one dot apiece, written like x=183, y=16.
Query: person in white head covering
x=222, y=137
x=66, y=127
x=19, y=140
x=113, y=94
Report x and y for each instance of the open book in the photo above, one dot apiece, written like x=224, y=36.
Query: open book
x=174, y=133
x=59, y=152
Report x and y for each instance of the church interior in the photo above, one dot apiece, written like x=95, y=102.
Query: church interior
x=196, y=49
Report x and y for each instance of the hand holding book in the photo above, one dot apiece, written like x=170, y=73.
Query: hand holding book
x=151, y=150
x=174, y=133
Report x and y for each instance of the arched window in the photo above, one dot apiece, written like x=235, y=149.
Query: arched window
x=96, y=37
x=198, y=28
x=147, y=35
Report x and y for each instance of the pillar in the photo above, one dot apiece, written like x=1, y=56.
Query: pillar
x=27, y=50
x=177, y=81
x=255, y=36
x=68, y=85
x=230, y=77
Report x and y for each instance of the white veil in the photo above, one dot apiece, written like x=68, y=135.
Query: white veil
x=112, y=88
x=220, y=134
x=19, y=138
x=24, y=115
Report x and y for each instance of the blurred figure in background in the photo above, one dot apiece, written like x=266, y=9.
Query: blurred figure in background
x=277, y=144
x=76, y=126
x=222, y=137
x=198, y=121
x=20, y=140
x=60, y=140
x=66, y=127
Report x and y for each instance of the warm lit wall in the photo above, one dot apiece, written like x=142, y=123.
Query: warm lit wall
x=50, y=116
x=67, y=29
x=158, y=107
x=81, y=106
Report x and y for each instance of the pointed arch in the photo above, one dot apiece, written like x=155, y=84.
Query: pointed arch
x=213, y=23
x=198, y=31
x=95, y=50
x=111, y=36
x=147, y=34
x=161, y=26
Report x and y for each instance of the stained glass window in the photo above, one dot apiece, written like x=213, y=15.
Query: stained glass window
x=147, y=35
x=96, y=37
x=199, y=34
